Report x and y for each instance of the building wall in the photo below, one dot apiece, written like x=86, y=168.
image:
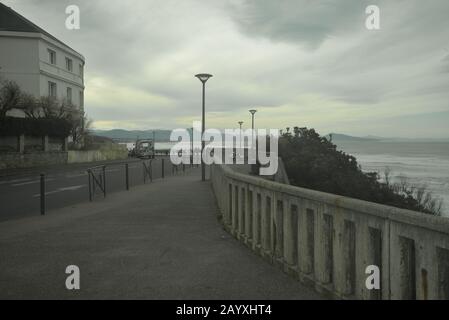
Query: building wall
x=58, y=72
x=19, y=61
x=19, y=56
x=24, y=58
x=61, y=88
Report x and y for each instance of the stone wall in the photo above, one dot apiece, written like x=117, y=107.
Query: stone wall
x=109, y=152
x=15, y=160
x=9, y=144
x=328, y=241
x=31, y=151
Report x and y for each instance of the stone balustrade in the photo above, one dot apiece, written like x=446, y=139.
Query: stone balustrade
x=328, y=241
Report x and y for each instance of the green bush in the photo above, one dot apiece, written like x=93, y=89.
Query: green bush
x=11, y=126
x=313, y=162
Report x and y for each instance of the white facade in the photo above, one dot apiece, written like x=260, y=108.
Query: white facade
x=26, y=59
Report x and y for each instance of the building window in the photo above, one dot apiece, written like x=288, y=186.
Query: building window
x=51, y=89
x=69, y=95
x=81, y=99
x=69, y=64
x=81, y=70
x=51, y=56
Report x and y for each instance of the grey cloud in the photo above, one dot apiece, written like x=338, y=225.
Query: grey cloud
x=306, y=22
x=261, y=52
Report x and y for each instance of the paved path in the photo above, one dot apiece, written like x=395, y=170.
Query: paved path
x=157, y=241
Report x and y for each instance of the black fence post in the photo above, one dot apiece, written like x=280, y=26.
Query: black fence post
x=127, y=176
x=90, y=184
x=42, y=194
x=163, y=165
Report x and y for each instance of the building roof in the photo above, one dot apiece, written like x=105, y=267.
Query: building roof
x=10, y=20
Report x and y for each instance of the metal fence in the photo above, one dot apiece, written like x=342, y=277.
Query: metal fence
x=151, y=169
x=101, y=180
x=97, y=180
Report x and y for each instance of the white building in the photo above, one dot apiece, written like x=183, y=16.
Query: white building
x=38, y=62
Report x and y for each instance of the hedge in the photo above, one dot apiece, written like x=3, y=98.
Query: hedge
x=10, y=126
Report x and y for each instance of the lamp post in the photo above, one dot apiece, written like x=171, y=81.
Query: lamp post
x=191, y=148
x=252, y=111
x=203, y=78
x=253, y=167
x=240, y=144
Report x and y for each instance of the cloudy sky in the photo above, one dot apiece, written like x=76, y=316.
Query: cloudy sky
x=299, y=62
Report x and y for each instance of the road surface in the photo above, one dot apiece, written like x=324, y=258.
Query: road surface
x=65, y=186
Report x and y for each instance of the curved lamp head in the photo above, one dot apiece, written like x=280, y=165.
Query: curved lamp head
x=252, y=111
x=240, y=122
x=203, y=76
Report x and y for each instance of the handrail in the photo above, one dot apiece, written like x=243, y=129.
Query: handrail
x=411, y=217
x=330, y=241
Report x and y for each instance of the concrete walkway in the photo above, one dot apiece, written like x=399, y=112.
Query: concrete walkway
x=157, y=241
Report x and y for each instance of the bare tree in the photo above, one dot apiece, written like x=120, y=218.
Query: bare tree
x=52, y=108
x=9, y=97
x=80, y=128
x=30, y=106
x=425, y=199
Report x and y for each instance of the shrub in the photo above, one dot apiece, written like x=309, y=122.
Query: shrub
x=11, y=126
x=44, y=115
x=9, y=97
x=313, y=162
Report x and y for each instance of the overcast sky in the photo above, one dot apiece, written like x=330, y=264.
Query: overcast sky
x=300, y=63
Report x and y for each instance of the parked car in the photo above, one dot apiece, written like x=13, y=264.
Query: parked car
x=144, y=148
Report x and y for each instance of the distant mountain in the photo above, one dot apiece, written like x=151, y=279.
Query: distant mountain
x=132, y=135
x=164, y=136
x=371, y=137
x=345, y=137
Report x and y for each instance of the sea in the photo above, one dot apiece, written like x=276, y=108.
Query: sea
x=420, y=162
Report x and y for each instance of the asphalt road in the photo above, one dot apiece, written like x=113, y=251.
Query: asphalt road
x=68, y=185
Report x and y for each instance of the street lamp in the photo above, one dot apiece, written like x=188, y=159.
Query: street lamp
x=203, y=78
x=191, y=147
x=252, y=111
x=254, y=168
x=240, y=123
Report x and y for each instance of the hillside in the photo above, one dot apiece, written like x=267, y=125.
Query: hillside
x=132, y=135
x=345, y=137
